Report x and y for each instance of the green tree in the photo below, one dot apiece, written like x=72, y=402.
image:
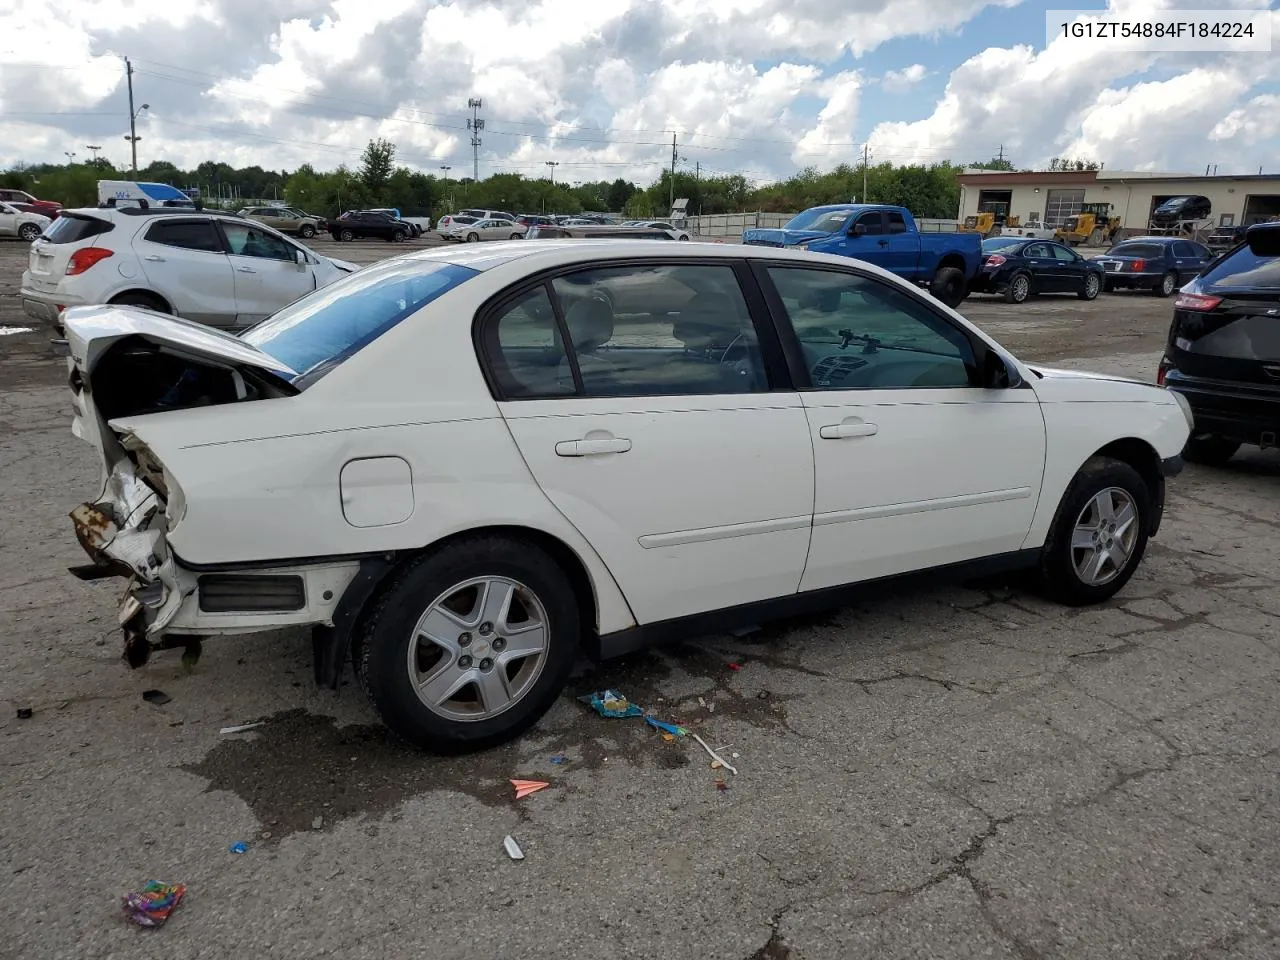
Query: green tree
x=376, y=164
x=620, y=191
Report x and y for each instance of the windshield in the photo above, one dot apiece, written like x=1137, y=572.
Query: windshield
x=1171, y=204
x=828, y=221
x=333, y=323
x=1001, y=243
x=1148, y=251
x=1242, y=270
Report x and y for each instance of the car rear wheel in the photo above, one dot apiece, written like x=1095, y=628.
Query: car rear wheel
x=140, y=298
x=1092, y=287
x=514, y=236
x=1168, y=283
x=1019, y=288
x=399, y=236
x=306, y=231
x=1099, y=535
x=29, y=232
x=1210, y=450
x=470, y=645
x=948, y=286
x=472, y=237
x=346, y=235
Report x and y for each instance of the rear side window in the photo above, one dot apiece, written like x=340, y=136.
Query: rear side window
x=187, y=234
x=1183, y=249
x=71, y=228
x=1242, y=270
x=896, y=223
x=1148, y=251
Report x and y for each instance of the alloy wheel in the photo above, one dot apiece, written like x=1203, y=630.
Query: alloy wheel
x=1104, y=536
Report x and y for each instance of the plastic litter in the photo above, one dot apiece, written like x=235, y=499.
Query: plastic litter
x=610, y=703
x=671, y=729
x=715, y=756
x=526, y=787
x=559, y=759
x=317, y=823
x=735, y=666
x=512, y=848
x=151, y=906
x=240, y=728
x=158, y=697
x=24, y=713
x=238, y=847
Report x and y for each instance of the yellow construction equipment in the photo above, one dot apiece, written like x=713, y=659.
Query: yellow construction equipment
x=990, y=216
x=1093, y=225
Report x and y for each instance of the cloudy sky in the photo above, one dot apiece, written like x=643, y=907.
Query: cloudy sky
x=760, y=87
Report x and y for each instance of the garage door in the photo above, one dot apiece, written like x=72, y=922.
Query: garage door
x=1061, y=205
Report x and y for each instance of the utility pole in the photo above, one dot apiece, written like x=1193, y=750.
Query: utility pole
x=697, y=179
x=1000, y=155
x=866, y=156
x=475, y=125
x=672, y=205
x=133, y=117
x=552, y=164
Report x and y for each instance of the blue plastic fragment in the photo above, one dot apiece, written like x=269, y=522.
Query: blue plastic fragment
x=610, y=703
x=672, y=728
x=238, y=847
x=559, y=759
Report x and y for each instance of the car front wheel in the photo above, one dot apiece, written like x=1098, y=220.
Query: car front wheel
x=1092, y=287
x=306, y=231
x=1099, y=535
x=346, y=235
x=473, y=237
x=470, y=645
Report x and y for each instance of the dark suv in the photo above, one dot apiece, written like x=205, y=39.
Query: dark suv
x=1223, y=352
x=1178, y=209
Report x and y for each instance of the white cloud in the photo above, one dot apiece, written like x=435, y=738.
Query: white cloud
x=828, y=142
x=896, y=81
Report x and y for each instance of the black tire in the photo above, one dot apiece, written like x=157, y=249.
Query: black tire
x=306, y=231
x=514, y=236
x=383, y=648
x=28, y=232
x=949, y=286
x=1057, y=577
x=1092, y=287
x=399, y=237
x=1210, y=450
x=1168, y=283
x=1019, y=288
x=473, y=238
x=346, y=235
x=139, y=298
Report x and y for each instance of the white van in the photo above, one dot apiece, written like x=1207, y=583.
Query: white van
x=130, y=193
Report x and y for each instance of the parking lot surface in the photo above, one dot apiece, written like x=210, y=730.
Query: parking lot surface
x=950, y=772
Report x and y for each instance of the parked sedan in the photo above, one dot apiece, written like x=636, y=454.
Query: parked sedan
x=676, y=232
x=21, y=223
x=1017, y=268
x=488, y=229
x=357, y=224
x=462, y=477
x=1158, y=264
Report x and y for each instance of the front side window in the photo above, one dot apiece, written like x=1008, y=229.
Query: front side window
x=858, y=333
x=249, y=240
x=187, y=234
x=1183, y=249
x=319, y=331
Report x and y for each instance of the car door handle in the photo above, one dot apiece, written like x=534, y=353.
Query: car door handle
x=592, y=448
x=848, y=430
x=153, y=258
x=883, y=243
x=246, y=269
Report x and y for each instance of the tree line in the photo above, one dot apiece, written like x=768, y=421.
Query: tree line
x=378, y=181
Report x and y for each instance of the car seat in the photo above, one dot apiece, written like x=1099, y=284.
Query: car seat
x=590, y=325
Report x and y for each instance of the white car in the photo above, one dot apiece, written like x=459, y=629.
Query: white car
x=1032, y=230
x=21, y=224
x=675, y=232
x=470, y=230
x=213, y=268
x=463, y=467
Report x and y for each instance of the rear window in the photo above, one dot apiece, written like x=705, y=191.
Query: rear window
x=1001, y=243
x=72, y=228
x=324, y=328
x=1242, y=270
x=1150, y=251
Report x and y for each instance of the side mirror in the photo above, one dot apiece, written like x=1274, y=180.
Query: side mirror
x=858, y=230
x=300, y=259
x=994, y=373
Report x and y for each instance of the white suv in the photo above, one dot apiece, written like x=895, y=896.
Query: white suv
x=213, y=268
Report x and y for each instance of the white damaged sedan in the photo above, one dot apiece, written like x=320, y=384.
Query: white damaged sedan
x=462, y=468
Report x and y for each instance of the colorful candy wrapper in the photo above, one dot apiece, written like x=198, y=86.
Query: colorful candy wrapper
x=610, y=703
x=673, y=729
x=151, y=906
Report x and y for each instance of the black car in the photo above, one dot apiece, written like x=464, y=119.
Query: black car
x=1223, y=352
x=1224, y=238
x=1179, y=209
x=1158, y=264
x=356, y=224
x=1016, y=268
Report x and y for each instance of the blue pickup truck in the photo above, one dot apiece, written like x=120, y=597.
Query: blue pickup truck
x=887, y=237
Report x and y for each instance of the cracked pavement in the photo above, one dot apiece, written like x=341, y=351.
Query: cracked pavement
x=963, y=771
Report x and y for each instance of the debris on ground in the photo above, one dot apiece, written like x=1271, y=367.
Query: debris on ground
x=721, y=786
x=715, y=756
x=24, y=713
x=735, y=666
x=610, y=703
x=559, y=758
x=238, y=847
x=151, y=906
x=317, y=823
x=512, y=848
x=240, y=728
x=526, y=787
x=158, y=697
x=670, y=729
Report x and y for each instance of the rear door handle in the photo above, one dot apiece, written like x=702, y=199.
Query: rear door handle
x=246, y=269
x=592, y=448
x=883, y=243
x=848, y=430
x=154, y=259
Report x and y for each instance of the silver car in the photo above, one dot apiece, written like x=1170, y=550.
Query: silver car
x=489, y=229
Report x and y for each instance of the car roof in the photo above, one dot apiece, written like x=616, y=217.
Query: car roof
x=1151, y=240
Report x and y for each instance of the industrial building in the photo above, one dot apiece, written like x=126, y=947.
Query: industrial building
x=1055, y=196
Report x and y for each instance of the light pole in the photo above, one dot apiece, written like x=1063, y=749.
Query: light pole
x=552, y=164
x=446, y=168
x=95, y=147
x=71, y=157
x=132, y=135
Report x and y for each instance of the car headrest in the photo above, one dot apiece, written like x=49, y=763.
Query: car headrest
x=824, y=300
x=707, y=320
x=590, y=323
